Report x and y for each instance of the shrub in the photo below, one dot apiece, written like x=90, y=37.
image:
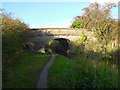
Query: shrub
x=77, y=24
x=79, y=44
x=14, y=34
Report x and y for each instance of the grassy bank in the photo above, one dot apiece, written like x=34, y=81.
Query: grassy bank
x=81, y=73
x=24, y=73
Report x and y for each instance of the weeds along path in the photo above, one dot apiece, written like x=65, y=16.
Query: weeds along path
x=42, y=81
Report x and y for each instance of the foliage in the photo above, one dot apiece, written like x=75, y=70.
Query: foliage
x=77, y=24
x=79, y=44
x=81, y=73
x=98, y=18
x=82, y=39
x=12, y=26
x=24, y=73
x=14, y=34
x=114, y=56
x=102, y=22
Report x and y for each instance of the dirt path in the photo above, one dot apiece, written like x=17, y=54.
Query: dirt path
x=42, y=82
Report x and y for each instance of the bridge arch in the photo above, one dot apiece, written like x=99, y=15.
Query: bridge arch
x=62, y=47
x=38, y=38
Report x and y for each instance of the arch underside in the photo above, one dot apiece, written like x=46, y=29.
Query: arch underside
x=63, y=46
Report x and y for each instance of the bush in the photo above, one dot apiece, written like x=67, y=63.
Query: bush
x=14, y=34
x=77, y=24
x=79, y=45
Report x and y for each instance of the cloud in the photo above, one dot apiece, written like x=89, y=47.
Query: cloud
x=55, y=24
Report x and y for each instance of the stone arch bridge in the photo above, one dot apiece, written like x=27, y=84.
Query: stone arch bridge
x=38, y=38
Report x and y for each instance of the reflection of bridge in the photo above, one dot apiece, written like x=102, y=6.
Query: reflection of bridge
x=40, y=37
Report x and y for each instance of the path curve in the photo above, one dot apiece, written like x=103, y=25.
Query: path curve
x=42, y=82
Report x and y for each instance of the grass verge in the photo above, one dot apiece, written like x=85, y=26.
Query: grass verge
x=24, y=73
x=81, y=73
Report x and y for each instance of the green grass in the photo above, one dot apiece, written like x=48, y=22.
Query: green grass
x=58, y=68
x=81, y=73
x=24, y=73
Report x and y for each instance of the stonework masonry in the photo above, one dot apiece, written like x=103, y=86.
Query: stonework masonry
x=40, y=37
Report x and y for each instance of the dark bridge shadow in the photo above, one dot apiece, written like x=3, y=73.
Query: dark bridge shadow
x=64, y=50
x=60, y=48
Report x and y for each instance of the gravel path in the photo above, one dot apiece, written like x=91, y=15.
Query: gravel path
x=42, y=82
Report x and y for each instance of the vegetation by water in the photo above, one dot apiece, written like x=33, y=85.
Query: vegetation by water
x=25, y=72
x=81, y=73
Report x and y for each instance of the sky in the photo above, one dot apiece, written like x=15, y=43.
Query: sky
x=48, y=14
